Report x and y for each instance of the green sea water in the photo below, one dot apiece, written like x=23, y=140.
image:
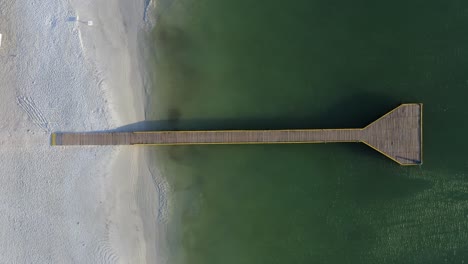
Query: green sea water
x=243, y=64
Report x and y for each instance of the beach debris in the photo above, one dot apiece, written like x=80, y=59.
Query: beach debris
x=77, y=19
x=0, y=40
x=73, y=19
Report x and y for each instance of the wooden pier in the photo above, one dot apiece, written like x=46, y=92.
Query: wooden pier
x=397, y=135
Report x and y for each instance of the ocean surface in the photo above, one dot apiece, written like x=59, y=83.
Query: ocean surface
x=242, y=64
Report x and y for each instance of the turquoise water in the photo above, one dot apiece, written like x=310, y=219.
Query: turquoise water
x=312, y=64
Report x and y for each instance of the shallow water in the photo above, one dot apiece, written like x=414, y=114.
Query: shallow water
x=313, y=64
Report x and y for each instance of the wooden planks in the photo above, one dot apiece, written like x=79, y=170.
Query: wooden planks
x=397, y=134
x=209, y=137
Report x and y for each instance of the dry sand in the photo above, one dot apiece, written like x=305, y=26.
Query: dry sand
x=74, y=205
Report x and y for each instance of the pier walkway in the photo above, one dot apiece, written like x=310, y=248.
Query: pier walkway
x=397, y=135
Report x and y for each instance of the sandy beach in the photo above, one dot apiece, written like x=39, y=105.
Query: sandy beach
x=74, y=205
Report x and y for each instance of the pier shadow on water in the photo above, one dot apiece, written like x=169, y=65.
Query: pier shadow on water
x=355, y=111
x=350, y=112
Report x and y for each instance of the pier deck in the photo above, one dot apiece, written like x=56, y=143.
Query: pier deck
x=397, y=135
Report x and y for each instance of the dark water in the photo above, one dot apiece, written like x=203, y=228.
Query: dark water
x=225, y=64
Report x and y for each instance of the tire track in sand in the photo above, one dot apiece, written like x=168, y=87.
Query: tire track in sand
x=104, y=251
x=34, y=113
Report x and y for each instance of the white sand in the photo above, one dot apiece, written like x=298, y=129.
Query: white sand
x=73, y=204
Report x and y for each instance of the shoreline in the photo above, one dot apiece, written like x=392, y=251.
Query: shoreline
x=86, y=205
x=142, y=230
